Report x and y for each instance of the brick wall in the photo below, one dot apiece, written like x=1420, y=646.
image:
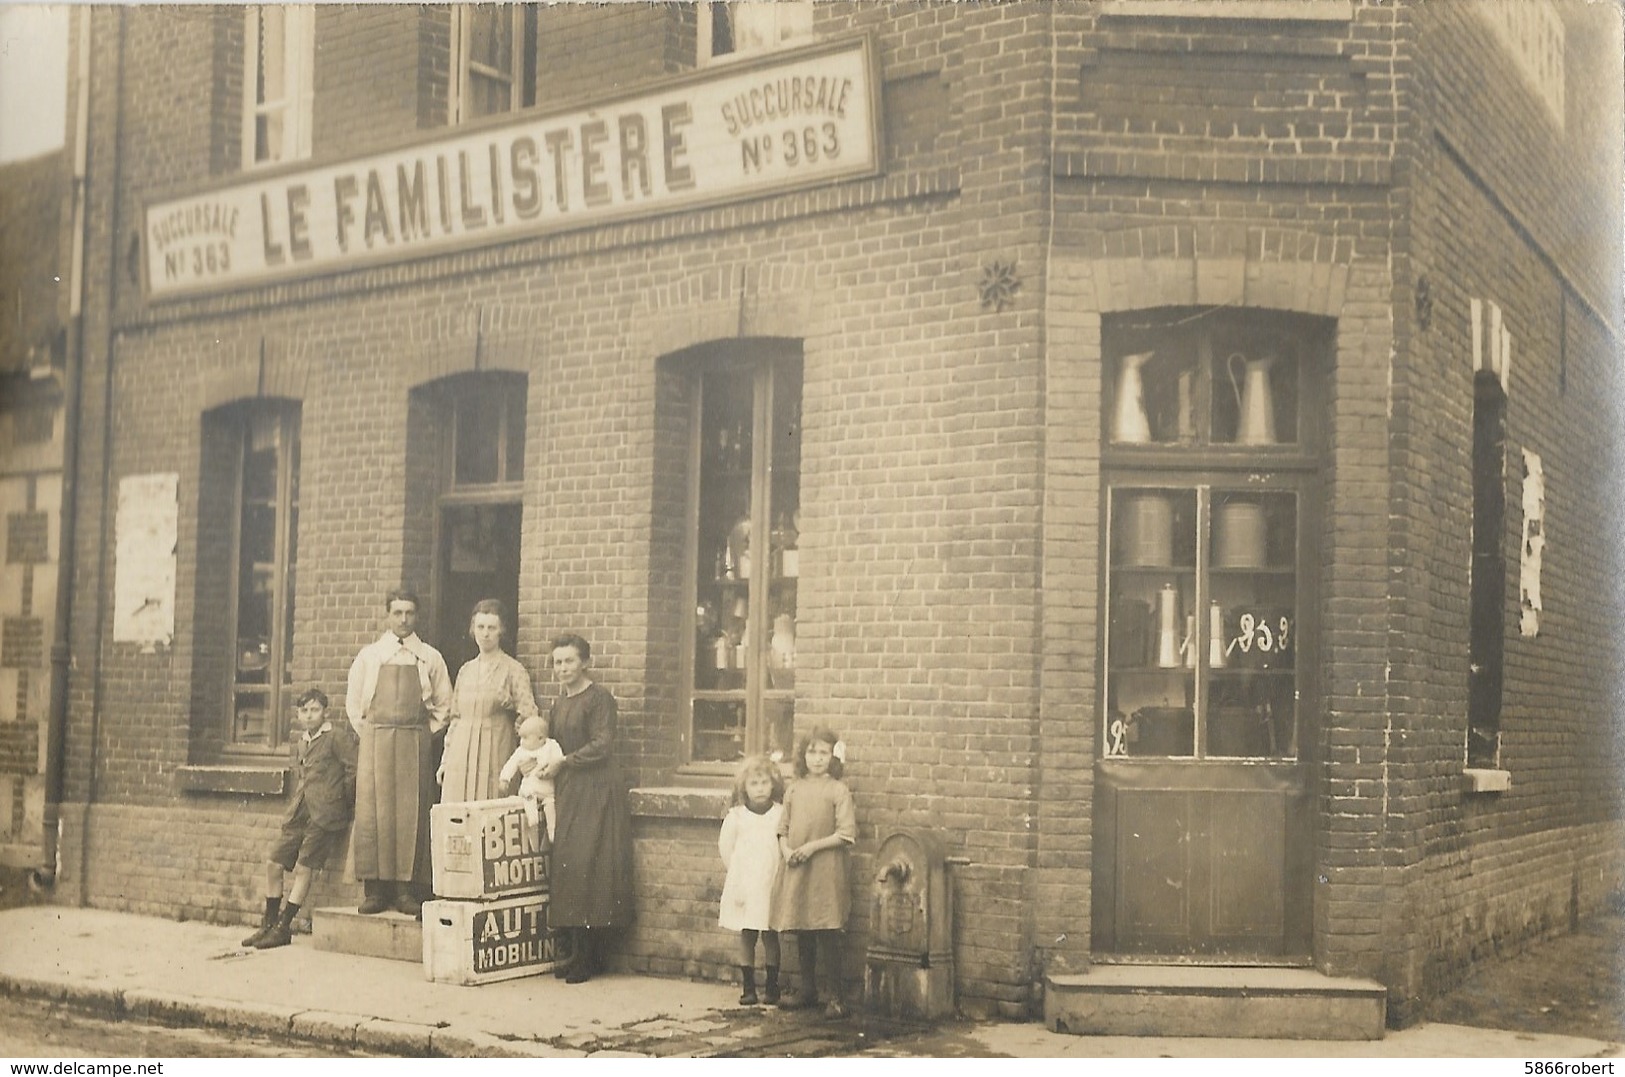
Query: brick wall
x=896, y=622
x=368, y=93
x=950, y=468
x=1485, y=872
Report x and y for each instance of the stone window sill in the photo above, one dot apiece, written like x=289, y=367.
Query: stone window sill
x=1484, y=780
x=681, y=802
x=239, y=779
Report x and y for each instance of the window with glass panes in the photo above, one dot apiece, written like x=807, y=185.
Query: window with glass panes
x=266, y=535
x=745, y=494
x=493, y=46
x=744, y=27
x=279, y=57
x=1211, y=457
x=480, y=507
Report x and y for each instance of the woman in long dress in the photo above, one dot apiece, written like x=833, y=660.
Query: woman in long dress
x=592, y=851
x=492, y=697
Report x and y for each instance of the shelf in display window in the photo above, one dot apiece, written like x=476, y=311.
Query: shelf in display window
x=1259, y=570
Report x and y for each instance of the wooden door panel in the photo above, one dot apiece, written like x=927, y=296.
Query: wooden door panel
x=1201, y=861
x=1154, y=899
x=1247, y=855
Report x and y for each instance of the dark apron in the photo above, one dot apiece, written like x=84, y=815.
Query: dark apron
x=394, y=781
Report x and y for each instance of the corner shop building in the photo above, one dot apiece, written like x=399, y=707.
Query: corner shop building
x=801, y=383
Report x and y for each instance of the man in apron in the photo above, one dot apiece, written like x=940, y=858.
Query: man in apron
x=399, y=697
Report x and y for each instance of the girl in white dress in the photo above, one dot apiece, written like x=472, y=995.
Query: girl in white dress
x=750, y=847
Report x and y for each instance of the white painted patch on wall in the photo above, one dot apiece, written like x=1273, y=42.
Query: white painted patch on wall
x=144, y=579
x=1534, y=542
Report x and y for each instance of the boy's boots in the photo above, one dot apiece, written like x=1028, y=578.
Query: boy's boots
x=770, y=993
x=280, y=933
x=267, y=921
x=747, y=977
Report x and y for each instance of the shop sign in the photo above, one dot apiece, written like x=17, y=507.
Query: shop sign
x=512, y=937
x=742, y=130
x=513, y=855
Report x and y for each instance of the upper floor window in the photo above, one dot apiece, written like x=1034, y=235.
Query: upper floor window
x=278, y=58
x=744, y=27
x=493, y=46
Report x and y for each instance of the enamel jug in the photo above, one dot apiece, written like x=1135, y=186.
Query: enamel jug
x=1168, y=627
x=1129, y=420
x=1255, y=405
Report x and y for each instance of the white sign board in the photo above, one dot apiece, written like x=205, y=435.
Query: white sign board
x=146, y=529
x=789, y=120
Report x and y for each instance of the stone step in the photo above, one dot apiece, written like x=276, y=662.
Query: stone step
x=1244, y=1002
x=386, y=934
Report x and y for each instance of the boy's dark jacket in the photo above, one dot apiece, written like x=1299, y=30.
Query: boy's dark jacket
x=324, y=782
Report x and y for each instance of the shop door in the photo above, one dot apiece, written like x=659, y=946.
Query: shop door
x=1203, y=834
x=478, y=558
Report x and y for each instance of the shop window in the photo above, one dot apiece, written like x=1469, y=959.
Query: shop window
x=265, y=533
x=1487, y=626
x=1210, y=472
x=279, y=56
x=745, y=493
x=744, y=27
x=494, y=46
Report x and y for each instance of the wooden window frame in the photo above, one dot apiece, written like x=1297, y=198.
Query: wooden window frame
x=279, y=687
x=1206, y=469
x=464, y=69
x=298, y=74
x=704, y=36
x=757, y=692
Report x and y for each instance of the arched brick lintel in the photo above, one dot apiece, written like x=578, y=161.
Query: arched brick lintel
x=1253, y=267
x=732, y=302
x=270, y=371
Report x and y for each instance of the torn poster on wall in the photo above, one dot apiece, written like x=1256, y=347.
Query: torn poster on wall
x=1534, y=541
x=144, y=580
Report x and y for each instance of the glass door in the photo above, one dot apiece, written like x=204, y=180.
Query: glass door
x=1203, y=842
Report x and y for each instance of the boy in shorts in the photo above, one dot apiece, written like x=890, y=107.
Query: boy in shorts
x=324, y=759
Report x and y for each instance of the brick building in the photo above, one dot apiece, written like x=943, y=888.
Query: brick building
x=1292, y=642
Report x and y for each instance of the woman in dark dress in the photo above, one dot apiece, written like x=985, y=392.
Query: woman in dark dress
x=592, y=853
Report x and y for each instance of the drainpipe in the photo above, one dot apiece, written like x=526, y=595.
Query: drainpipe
x=61, y=643
x=103, y=584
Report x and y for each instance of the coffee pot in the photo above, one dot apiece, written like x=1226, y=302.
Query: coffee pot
x=1255, y=403
x=1129, y=420
x=1168, y=642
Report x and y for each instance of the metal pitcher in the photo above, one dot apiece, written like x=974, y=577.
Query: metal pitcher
x=1129, y=420
x=1255, y=402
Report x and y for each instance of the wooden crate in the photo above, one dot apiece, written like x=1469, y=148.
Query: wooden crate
x=480, y=942
x=484, y=849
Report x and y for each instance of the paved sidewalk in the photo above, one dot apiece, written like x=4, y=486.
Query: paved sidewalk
x=168, y=972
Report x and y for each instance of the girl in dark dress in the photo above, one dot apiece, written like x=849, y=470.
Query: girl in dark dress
x=592, y=853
